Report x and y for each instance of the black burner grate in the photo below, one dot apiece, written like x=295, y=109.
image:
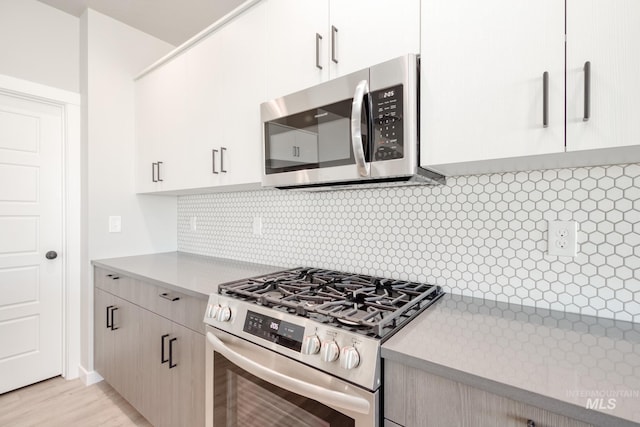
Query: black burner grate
x=373, y=304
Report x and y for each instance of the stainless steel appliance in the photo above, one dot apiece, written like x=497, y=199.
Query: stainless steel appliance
x=302, y=347
x=361, y=128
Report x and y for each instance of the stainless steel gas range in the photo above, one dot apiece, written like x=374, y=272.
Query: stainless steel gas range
x=301, y=347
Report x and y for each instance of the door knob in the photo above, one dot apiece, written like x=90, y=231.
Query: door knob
x=51, y=255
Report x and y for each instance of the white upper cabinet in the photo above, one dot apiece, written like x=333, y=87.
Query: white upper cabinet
x=160, y=108
x=297, y=45
x=311, y=41
x=483, y=94
x=226, y=84
x=607, y=35
x=198, y=114
x=367, y=32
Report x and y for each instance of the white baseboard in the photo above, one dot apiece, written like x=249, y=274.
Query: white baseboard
x=89, y=377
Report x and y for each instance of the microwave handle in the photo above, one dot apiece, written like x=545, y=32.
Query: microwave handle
x=356, y=128
x=303, y=388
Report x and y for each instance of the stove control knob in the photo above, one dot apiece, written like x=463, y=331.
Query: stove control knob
x=329, y=351
x=349, y=358
x=224, y=314
x=310, y=344
x=212, y=311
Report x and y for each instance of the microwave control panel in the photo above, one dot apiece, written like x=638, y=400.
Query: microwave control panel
x=387, y=123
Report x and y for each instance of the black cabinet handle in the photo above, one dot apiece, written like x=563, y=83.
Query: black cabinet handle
x=545, y=99
x=587, y=91
x=213, y=161
x=171, y=364
x=113, y=321
x=222, y=151
x=318, y=38
x=167, y=296
x=334, y=36
x=153, y=172
x=159, y=179
x=109, y=321
x=115, y=277
x=162, y=340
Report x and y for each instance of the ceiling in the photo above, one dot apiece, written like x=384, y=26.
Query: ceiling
x=174, y=21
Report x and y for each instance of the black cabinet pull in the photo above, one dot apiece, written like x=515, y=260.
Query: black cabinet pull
x=587, y=91
x=115, y=278
x=334, y=36
x=162, y=340
x=171, y=364
x=153, y=172
x=109, y=324
x=318, y=38
x=159, y=179
x=213, y=161
x=545, y=99
x=167, y=296
x=113, y=321
x=222, y=151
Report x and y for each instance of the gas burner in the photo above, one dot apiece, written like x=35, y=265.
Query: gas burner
x=371, y=304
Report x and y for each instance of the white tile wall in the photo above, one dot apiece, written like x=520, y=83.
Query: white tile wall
x=482, y=236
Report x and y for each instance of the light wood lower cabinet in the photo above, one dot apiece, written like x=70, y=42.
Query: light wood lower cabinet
x=153, y=361
x=416, y=398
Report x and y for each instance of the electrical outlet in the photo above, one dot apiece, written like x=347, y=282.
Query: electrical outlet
x=115, y=224
x=562, y=238
x=193, y=223
x=257, y=226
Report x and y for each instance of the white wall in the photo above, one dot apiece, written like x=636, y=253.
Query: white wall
x=112, y=54
x=39, y=43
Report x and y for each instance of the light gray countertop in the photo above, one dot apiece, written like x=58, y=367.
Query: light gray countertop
x=553, y=360
x=192, y=274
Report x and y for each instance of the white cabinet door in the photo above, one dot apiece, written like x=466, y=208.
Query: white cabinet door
x=226, y=85
x=482, y=81
x=160, y=122
x=367, y=32
x=606, y=34
x=292, y=28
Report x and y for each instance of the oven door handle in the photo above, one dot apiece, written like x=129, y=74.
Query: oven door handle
x=303, y=388
x=362, y=89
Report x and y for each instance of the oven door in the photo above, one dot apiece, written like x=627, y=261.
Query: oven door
x=248, y=385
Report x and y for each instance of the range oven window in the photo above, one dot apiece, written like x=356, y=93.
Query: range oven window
x=243, y=400
x=317, y=138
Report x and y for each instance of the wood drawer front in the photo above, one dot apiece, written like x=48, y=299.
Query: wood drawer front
x=114, y=283
x=183, y=309
x=415, y=398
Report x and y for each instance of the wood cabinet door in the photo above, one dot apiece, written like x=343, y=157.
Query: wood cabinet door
x=155, y=402
x=607, y=35
x=482, y=80
x=172, y=373
x=187, y=377
x=292, y=26
x=103, y=339
x=363, y=33
x=116, y=348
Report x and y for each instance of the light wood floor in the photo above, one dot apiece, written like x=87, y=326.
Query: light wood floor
x=58, y=402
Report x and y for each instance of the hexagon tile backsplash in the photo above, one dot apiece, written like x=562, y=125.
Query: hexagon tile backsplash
x=483, y=236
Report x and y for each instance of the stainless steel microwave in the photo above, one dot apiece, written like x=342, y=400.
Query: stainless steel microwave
x=362, y=128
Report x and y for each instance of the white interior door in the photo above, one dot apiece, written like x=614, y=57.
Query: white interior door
x=30, y=225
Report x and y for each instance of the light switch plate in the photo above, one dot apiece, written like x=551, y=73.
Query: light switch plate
x=115, y=224
x=562, y=239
